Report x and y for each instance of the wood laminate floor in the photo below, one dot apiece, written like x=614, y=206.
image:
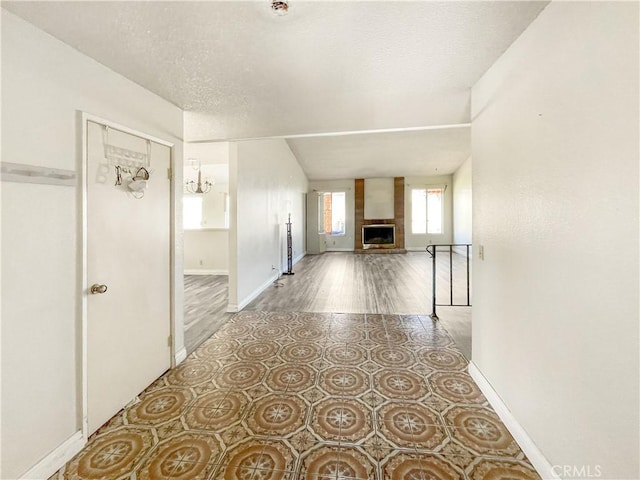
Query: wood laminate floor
x=341, y=282
x=205, y=307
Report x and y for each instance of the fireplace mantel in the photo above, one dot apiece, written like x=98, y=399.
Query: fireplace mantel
x=398, y=220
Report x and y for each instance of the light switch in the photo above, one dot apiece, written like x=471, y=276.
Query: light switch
x=481, y=252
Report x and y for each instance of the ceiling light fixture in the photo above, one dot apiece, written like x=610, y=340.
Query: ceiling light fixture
x=199, y=186
x=280, y=7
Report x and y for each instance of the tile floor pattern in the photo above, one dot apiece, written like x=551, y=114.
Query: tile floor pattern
x=310, y=396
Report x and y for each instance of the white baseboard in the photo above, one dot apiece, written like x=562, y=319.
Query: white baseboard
x=57, y=458
x=530, y=449
x=253, y=295
x=232, y=308
x=206, y=272
x=180, y=356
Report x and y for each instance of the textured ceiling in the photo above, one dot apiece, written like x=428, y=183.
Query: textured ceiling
x=240, y=72
x=432, y=152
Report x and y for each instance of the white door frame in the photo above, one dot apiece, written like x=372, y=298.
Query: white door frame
x=84, y=283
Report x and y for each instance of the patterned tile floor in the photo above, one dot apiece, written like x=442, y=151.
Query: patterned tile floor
x=310, y=396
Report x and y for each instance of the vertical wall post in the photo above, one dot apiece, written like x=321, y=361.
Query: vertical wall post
x=468, y=295
x=433, y=315
x=451, y=274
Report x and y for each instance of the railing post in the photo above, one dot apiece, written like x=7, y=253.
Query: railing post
x=431, y=250
x=433, y=315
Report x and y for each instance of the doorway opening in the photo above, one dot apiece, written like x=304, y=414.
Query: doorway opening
x=206, y=217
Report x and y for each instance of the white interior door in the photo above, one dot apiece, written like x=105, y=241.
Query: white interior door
x=128, y=251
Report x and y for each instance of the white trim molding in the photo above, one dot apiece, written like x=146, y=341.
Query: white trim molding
x=341, y=133
x=233, y=308
x=531, y=450
x=180, y=356
x=298, y=258
x=57, y=458
x=206, y=272
x=253, y=295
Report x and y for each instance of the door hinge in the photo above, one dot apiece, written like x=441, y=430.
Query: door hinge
x=170, y=340
x=169, y=173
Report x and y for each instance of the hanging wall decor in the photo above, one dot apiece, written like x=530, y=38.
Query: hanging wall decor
x=132, y=168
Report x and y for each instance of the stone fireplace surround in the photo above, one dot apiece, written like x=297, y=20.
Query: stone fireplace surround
x=398, y=218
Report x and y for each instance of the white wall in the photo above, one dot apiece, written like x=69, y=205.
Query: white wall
x=419, y=242
x=44, y=85
x=379, y=198
x=555, y=197
x=206, y=153
x=214, y=207
x=462, y=203
x=333, y=242
x=206, y=252
x=266, y=184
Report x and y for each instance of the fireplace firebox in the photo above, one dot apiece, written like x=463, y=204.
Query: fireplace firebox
x=379, y=236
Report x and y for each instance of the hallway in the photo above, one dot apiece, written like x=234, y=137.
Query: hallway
x=523, y=115
x=310, y=396
x=339, y=282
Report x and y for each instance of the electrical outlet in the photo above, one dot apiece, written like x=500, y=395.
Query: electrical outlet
x=201, y=262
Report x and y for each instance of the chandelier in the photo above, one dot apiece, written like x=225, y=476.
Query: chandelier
x=199, y=186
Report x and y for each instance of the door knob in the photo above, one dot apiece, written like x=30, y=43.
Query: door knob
x=95, y=288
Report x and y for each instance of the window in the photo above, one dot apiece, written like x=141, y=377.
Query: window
x=192, y=212
x=331, y=213
x=427, y=210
